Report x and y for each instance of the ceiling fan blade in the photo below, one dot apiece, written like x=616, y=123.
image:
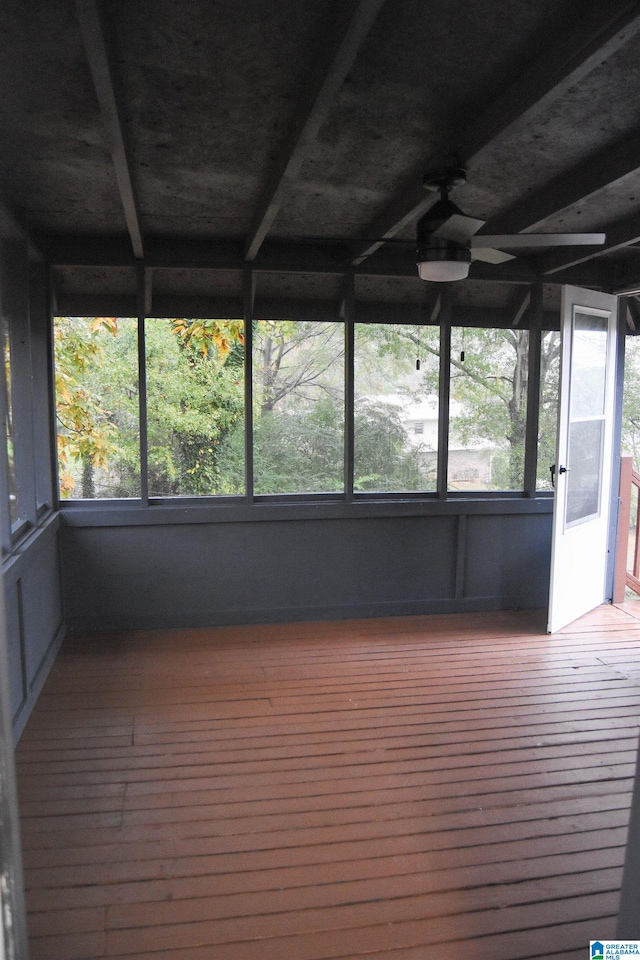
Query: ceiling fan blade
x=459, y=228
x=538, y=240
x=489, y=255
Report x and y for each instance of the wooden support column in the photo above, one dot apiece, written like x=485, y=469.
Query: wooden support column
x=533, y=391
x=445, y=390
x=142, y=384
x=248, y=296
x=349, y=387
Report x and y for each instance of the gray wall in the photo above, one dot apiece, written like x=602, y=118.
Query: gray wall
x=34, y=613
x=31, y=555
x=453, y=557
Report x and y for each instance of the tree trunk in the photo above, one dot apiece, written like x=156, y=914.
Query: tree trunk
x=88, y=484
x=518, y=411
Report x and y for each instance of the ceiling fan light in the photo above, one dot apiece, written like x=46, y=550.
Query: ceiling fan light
x=443, y=262
x=443, y=271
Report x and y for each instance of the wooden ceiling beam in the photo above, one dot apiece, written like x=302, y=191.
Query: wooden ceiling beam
x=281, y=257
x=598, y=33
x=101, y=73
x=633, y=315
x=520, y=305
x=585, y=179
x=621, y=234
x=12, y=227
x=315, y=104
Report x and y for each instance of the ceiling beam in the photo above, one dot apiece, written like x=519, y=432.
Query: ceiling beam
x=148, y=291
x=315, y=104
x=621, y=234
x=101, y=73
x=598, y=33
x=585, y=179
x=283, y=257
x=520, y=305
x=11, y=226
x=633, y=315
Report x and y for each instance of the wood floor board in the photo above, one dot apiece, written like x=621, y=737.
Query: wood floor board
x=456, y=785
x=554, y=856
x=63, y=802
x=331, y=826
x=406, y=746
x=255, y=853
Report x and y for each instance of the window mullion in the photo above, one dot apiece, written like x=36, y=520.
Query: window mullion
x=248, y=295
x=533, y=392
x=444, y=392
x=349, y=390
x=142, y=388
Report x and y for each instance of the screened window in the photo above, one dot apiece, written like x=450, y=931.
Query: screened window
x=298, y=410
x=396, y=407
x=9, y=433
x=97, y=406
x=195, y=407
x=488, y=417
x=192, y=439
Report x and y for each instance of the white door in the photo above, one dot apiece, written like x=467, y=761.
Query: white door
x=584, y=455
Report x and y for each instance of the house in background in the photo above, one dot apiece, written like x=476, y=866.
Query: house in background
x=470, y=462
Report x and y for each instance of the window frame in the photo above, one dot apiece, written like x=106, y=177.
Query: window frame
x=262, y=505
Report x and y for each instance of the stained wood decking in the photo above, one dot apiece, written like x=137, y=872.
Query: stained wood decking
x=454, y=787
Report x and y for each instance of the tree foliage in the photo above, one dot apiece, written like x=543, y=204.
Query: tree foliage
x=195, y=395
x=86, y=431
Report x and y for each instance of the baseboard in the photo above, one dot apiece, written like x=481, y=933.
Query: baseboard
x=356, y=611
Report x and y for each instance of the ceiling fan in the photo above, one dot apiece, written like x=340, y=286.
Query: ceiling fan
x=447, y=241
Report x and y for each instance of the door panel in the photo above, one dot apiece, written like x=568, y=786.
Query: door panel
x=584, y=455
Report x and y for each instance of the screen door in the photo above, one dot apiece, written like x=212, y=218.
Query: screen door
x=584, y=455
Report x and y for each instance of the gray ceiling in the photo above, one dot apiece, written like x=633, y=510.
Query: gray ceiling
x=205, y=134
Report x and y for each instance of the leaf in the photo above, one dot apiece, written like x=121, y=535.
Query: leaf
x=108, y=323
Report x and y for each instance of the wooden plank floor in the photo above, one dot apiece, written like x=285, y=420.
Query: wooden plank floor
x=450, y=786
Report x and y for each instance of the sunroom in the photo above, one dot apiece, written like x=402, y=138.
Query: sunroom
x=289, y=297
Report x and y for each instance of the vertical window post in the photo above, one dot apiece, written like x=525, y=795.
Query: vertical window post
x=143, y=278
x=349, y=312
x=248, y=296
x=444, y=391
x=533, y=392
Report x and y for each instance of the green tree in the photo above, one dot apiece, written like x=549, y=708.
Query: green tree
x=299, y=359
x=195, y=397
x=298, y=419
x=384, y=459
x=489, y=376
x=489, y=382
x=303, y=452
x=195, y=392
x=86, y=432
